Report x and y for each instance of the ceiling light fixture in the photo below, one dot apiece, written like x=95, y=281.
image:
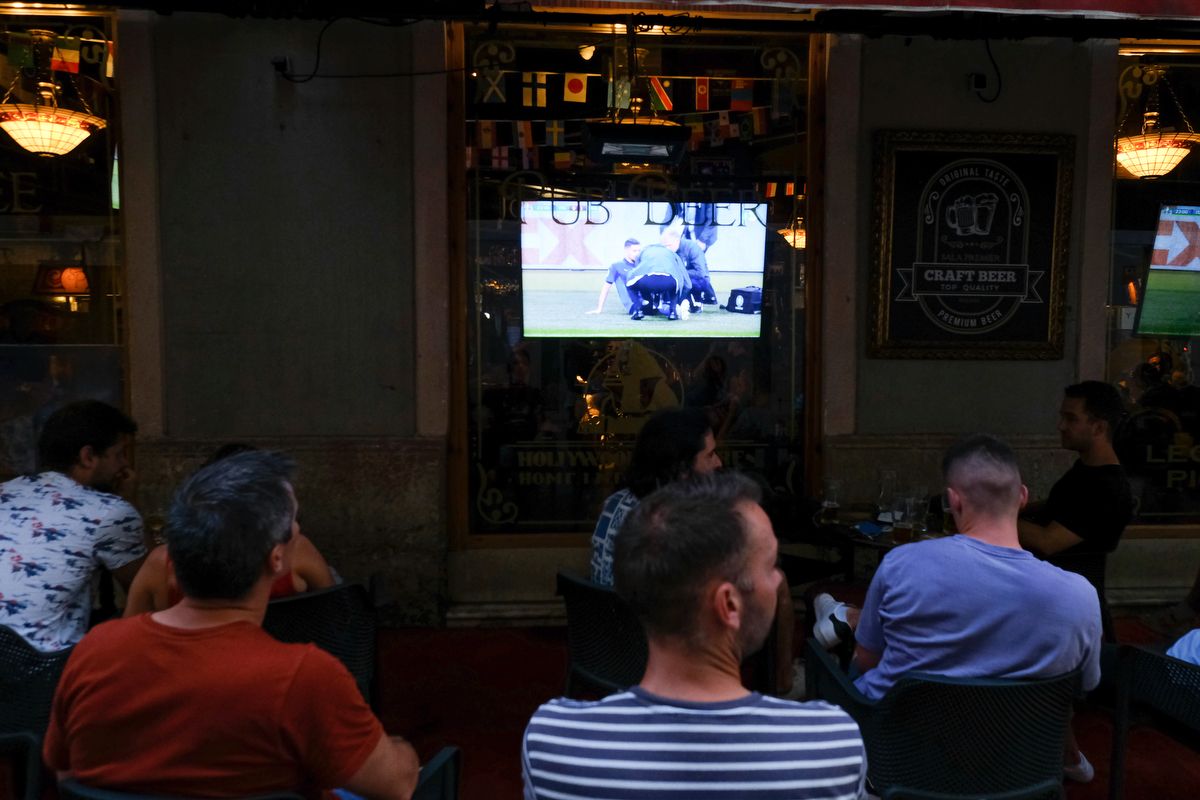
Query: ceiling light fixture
x=44, y=126
x=1156, y=150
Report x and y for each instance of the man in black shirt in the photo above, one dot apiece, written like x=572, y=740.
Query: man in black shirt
x=1082, y=520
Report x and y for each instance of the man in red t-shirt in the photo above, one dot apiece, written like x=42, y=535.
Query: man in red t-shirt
x=198, y=700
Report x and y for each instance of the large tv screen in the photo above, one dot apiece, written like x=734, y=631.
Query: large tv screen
x=1170, y=303
x=607, y=269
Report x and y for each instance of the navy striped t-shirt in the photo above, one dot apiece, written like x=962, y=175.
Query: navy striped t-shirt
x=636, y=746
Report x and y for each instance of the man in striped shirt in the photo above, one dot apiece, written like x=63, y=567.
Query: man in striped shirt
x=696, y=562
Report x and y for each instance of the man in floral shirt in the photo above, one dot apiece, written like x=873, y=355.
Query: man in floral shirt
x=58, y=527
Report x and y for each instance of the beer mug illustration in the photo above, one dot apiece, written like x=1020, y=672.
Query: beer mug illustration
x=985, y=213
x=961, y=215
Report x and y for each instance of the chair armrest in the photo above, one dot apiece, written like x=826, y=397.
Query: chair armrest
x=825, y=680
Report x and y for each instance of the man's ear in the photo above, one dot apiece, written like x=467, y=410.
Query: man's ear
x=955, y=499
x=726, y=603
x=1024, y=496
x=276, y=559
x=87, y=457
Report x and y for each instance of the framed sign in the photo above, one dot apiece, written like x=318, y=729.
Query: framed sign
x=970, y=249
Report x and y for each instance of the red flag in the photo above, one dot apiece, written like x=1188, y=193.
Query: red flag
x=702, y=94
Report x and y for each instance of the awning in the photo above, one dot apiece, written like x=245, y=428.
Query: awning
x=1097, y=9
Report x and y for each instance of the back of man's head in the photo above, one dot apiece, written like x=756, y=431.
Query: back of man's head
x=76, y=426
x=678, y=539
x=984, y=471
x=224, y=521
x=1101, y=401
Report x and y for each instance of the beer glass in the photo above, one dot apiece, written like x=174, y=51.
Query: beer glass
x=828, y=514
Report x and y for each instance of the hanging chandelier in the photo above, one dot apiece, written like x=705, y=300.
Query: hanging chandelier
x=795, y=234
x=1156, y=151
x=44, y=126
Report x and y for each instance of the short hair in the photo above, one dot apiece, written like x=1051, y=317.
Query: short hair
x=1100, y=400
x=77, y=425
x=630, y=242
x=225, y=519
x=665, y=449
x=675, y=541
x=984, y=470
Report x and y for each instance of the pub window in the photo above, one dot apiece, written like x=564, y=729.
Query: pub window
x=1154, y=292
x=61, y=320
x=579, y=141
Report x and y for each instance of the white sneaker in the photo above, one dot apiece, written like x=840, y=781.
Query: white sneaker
x=830, y=628
x=1082, y=772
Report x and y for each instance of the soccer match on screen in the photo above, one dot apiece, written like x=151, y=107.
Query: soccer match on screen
x=642, y=269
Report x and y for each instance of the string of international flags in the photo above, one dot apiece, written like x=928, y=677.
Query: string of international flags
x=716, y=109
x=70, y=54
x=708, y=93
x=490, y=141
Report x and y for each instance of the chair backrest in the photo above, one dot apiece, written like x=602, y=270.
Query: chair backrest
x=1167, y=685
x=605, y=641
x=970, y=737
x=339, y=620
x=1147, y=679
x=28, y=678
x=439, y=777
x=74, y=790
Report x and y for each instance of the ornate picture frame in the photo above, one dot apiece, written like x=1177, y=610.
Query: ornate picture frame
x=970, y=244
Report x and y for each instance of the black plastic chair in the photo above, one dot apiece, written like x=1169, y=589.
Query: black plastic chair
x=439, y=777
x=606, y=645
x=74, y=790
x=339, y=620
x=933, y=736
x=1166, y=687
x=28, y=678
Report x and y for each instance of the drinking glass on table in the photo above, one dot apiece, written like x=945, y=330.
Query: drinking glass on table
x=887, y=494
x=828, y=514
x=915, y=509
x=902, y=521
x=947, y=518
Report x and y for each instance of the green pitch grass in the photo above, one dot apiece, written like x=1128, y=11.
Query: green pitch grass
x=1171, y=306
x=556, y=302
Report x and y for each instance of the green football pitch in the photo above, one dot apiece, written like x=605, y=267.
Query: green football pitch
x=1171, y=305
x=556, y=302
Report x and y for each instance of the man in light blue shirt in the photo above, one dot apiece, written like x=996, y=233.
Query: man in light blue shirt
x=977, y=605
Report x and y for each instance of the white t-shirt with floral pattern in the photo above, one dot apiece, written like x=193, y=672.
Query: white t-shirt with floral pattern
x=54, y=534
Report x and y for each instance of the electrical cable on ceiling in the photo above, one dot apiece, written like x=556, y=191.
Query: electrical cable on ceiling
x=996, y=68
x=292, y=77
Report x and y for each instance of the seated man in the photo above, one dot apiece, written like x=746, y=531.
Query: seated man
x=59, y=527
x=1088, y=508
x=155, y=587
x=197, y=700
x=976, y=605
x=696, y=562
x=616, y=276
